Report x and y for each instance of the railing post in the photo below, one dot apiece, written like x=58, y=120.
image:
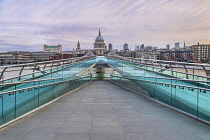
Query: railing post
x=3, y=107
x=38, y=94
x=15, y=113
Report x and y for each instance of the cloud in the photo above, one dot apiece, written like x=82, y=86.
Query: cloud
x=18, y=47
x=157, y=23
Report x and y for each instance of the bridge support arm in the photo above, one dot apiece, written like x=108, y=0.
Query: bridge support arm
x=44, y=66
x=21, y=70
x=185, y=68
x=151, y=62
x=171, y=66
x=205, y=70
x=2, y=73
x=160, y=64
x=35, y=67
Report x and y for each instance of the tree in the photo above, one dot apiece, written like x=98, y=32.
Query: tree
x=35, y=59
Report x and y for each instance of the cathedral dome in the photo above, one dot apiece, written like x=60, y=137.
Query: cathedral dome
x=99, y=38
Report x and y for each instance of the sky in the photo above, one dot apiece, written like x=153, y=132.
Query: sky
x=27, y=25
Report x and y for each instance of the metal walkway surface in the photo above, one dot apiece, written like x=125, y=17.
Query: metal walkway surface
x=105, y=111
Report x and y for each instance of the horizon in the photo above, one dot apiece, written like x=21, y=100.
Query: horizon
x=29, y=25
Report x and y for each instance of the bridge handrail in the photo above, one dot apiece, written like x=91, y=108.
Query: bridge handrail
x=171, y=69
x=166, y=78
x=22, y=82
x=86, y=76
x=29, y=74
x=154, y=60
x=46, y=62
x=189, y=87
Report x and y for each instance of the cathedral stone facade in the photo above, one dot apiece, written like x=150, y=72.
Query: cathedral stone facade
x=99, y=48
x=99, y=45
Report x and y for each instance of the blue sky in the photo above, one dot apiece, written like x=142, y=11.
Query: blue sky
x=27, y=25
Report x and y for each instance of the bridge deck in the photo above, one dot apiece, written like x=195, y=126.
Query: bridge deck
x=104, y=111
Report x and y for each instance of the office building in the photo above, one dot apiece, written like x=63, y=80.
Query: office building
x=176, y=46
x=148, y=48
x=148, y=54
x=43, y=56
x=57, y=49
x=136, y=47
x=110, y=47
x=167, y=47
x=125, y=47
x=15, y=57
x=142, y=47
x=201, y=53
x=178, y=55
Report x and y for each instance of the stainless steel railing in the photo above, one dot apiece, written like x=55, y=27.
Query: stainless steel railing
x=187, y=80
x=162, y=83
x=76, y=78
x=145, y=64
x=36, y=66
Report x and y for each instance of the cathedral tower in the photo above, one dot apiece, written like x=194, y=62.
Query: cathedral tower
x=78, y=46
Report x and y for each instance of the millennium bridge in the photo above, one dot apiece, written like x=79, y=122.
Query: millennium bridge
x=105, y=98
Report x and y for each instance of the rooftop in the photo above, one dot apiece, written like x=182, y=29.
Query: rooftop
x=52, y=46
